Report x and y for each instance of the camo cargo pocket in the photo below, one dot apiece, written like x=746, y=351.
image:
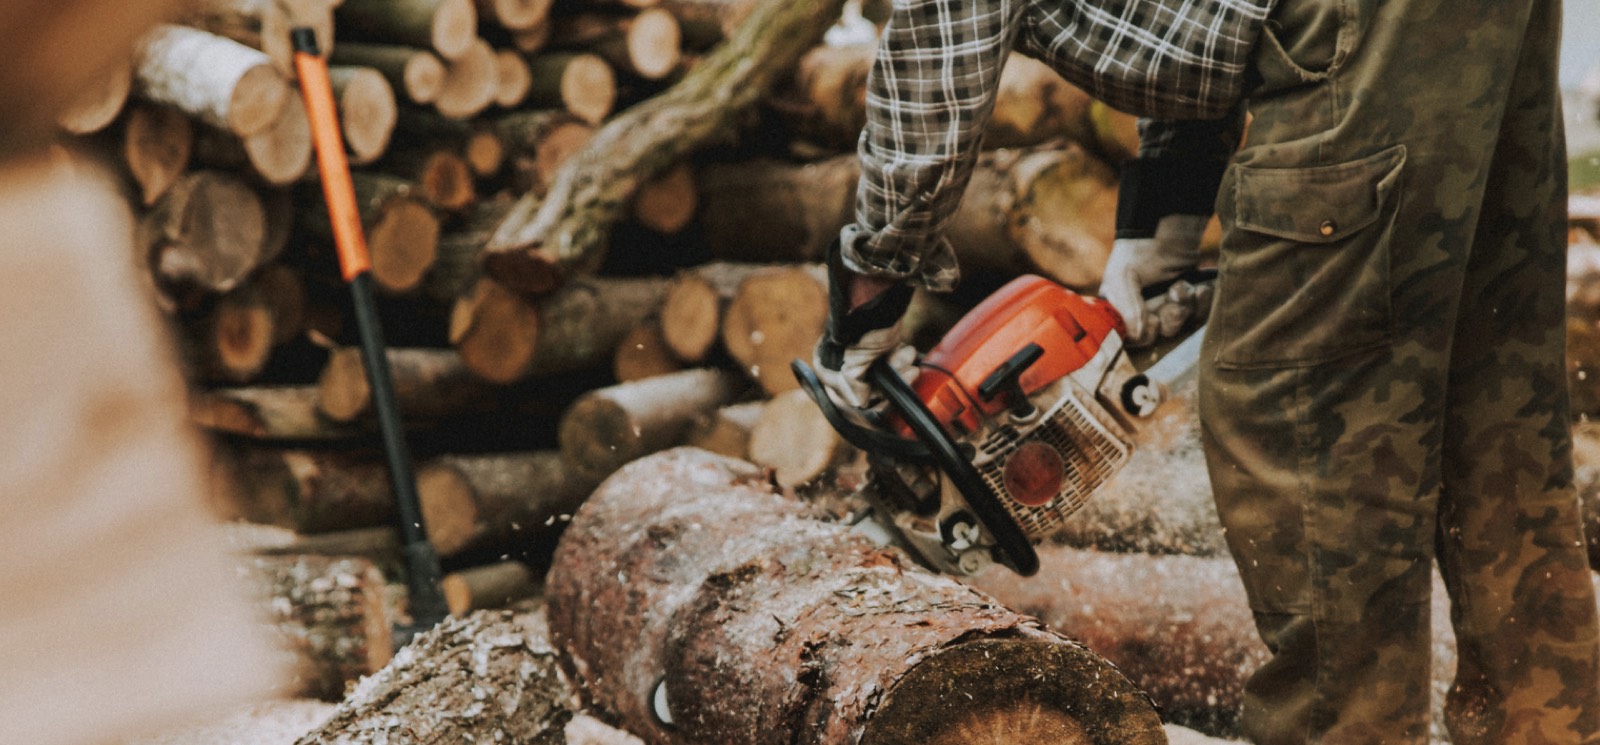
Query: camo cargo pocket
x=1305, y=270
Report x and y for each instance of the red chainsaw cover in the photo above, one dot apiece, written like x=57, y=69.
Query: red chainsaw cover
x=1029, y=309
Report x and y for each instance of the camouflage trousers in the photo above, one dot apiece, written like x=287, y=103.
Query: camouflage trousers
x=1383, y=387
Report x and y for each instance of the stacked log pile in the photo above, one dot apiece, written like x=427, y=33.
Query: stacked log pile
x=596, y=229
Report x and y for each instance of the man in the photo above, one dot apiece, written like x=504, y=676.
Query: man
x=1382, y=386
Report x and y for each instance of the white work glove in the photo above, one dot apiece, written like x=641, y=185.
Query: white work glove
x=855, y=338
x=1139, y=263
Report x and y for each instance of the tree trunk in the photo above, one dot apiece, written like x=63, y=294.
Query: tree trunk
x=308, y=491
x=417, y=73
x=726, y=431
x=469, y=84
x=268, y=413
x=219, y=81
x=498, y=499
x=330, y=613
x=775, y=317
x=156, y=144
x=402, y=230
x=646, y=44
x=579, y=82
x=643, y=354
x=1049, y=211
x=542, y=240
x=491, y=676
x=206, y=233
x=448, y=27
x=504, y=337
x=609, y=427
x=429, y=384
x=367, y=111
x=763, y=625
x=792, y=437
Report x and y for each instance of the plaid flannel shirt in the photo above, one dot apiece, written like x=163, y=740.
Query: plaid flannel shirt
x=933, y=84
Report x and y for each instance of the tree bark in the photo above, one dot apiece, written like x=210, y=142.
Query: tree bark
x=307, y=491
x=329, y=613
x=491, y=676
x=498, y=499
x=156, y=144
x=269, y=413
x=448, y=27
x=217, y=80
x=707, y=23
x=792, y=437
x=542, y=240
x=764, y=625
x=487, y=587
x=579, y=82
x=206, y=233
x=775, y=317
x=610, y=427
x=417, y=73
x=367, y=111
x=504, y=337
x=264, y=24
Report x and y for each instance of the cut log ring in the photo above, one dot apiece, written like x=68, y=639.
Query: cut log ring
x=775, y=317
x=470, y=83
x=448, y=27
x=224, y=83
x=156, y=144
x=417, y=73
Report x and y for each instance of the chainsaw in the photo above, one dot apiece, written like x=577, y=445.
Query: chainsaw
x=1016, y=416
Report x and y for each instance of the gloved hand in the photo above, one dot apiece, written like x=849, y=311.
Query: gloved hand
x=858, y=332
x=1138, y=263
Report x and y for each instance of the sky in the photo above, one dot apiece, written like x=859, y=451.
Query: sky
x=1580, y=42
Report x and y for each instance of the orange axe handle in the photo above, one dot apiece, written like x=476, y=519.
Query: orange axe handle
x=348, y=237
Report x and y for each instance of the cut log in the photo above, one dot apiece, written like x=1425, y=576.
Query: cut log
x=646, y=44
x=643, y=354
x=470, y=82
x=367, y=111
x=488, y=587
x=667, y=203
x=514, y=15
x=230, y=339
x=726, y=431
x=578, y=82
x=207, y=232
x=478, y=142
x=775, y=317
x=282, y=153
x=264, y=24
x=416, y=73
x=307, y=491
x=156, y=144
x=401, y=228
x=491, y=676
x=544, y=239
x=217, y=80
x=498, y=500
x=272, y=413
x=693, y=307
x=685, y=575
x=609, y=427
x=98, y=105
x=513, y=78
x=503, y=336
x=707, y=23
x=532, y=39
x=329, y=613
x=448, y=27
x=795, y=440
x=539, y=143
x=1048, y=211
x=438, y=174
x=285, y=293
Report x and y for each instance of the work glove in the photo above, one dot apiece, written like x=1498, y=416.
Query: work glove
x=855, y=338
x=1137, y=265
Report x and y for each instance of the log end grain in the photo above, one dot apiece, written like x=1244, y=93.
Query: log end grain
x=257, y=100
x=589, y=88
x=98, y=104
x=494, y=330
x=343, y=393
x=1064, y=220
x=281, y=153
x=667, y=203
x=557, y=146
x=241, y=336
x=775, y=317
x=423, y=77
x=404, y=242
x=447, y=179
x=156, y=144
x=518, y=15
x=643, y=354
x=448, y=510
x=513, y=79
x=655, y=43
x=454, y=30
x=691, y=317
x=469, y=83
x=367, y=114
x=794, y=439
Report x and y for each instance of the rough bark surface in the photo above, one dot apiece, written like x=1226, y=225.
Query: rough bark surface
x=766, y=625
x=498, y=499
x=329, y=613
x=608, y=427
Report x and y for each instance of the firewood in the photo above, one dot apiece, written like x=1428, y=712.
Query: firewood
x=1048, y=211
x=488, y=587
x=208, y=231
x=643, y=354
x=579, y=82
x=539, y=143
x=156, y=144
x=513, y=78
x=726, y=431
x=285, y=293
x=308, y=491
x=98, y=105
x=491, y=676
x=448, y=27
x=609, y=427
x=402, y=230
x=367, y=111
x=646, y=44
x=264, y=24
x=498, y=500
x=429, y=384
x=667, y=203
x=330, y=613
x=503, y=336
x=792, y=437
x=706, y=23
x=417, y=73
x=477, y=141
x=269, y=413
x=230, y=340
x=514, y=15
x=532, y=39
x=694, y=304
x=456, y=268
x=217, y=80
x=686, y=575
x=470, y=82
x=775, y=317
x=439, y=174
x=544, y=239
x=278, y=155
